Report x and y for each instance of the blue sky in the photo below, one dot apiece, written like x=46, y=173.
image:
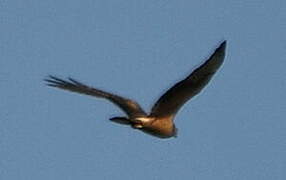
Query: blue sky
x=235, y=129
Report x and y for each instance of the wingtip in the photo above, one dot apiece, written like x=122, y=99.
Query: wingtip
x=53, y=81
x=223, y=44
x=50, y=78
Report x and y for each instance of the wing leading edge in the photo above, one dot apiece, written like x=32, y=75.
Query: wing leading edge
x=170, y=102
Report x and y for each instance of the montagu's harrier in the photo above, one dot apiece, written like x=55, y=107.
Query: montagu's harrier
x=159, y=122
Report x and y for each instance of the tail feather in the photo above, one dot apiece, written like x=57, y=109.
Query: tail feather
x=121, y=120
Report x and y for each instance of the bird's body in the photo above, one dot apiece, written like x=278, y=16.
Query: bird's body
x=160, y=121
x=161, y=127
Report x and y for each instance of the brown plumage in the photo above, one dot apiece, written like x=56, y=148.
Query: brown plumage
x=159, y=122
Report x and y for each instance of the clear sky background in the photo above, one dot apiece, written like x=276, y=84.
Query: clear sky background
x=235, y=129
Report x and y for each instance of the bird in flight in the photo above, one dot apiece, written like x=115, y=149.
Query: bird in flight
x=160, y=121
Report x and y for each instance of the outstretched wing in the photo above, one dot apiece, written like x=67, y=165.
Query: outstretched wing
x=131, y=108
x=175, y=97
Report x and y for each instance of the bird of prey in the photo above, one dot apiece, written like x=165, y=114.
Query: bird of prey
x=160, y=121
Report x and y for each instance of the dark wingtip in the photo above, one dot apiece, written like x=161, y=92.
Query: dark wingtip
x=224, y=42
x=48, y=80
x=53, y=81
x=51, y=85
x=222, y=45
x=74, y=81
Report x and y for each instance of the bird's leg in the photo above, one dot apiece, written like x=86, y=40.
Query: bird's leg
x=137, y=125
x=139, y=122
